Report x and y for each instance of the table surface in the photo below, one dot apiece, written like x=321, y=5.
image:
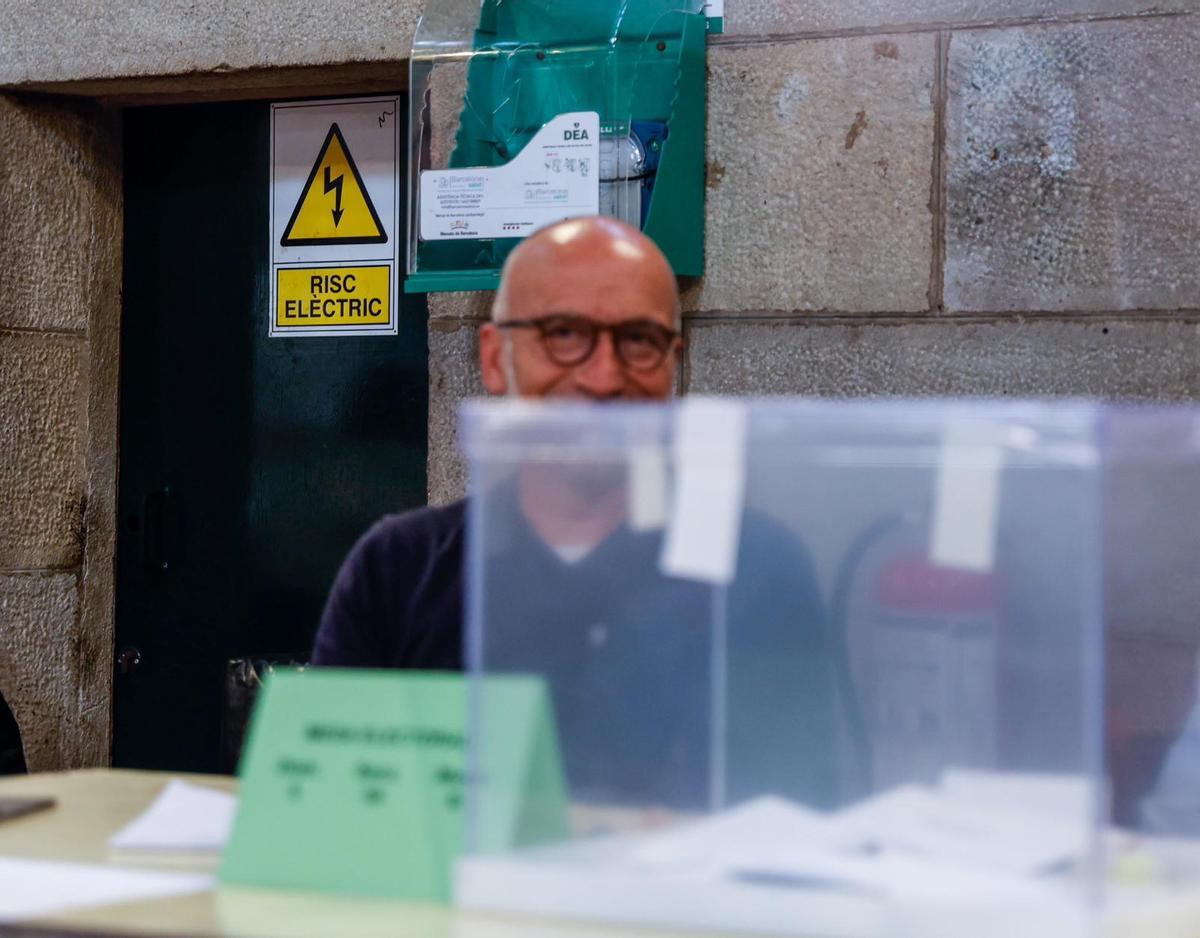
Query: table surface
x=94, y=804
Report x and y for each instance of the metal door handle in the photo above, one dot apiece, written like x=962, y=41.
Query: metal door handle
x=128, y=660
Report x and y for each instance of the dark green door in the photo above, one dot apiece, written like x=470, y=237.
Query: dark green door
x=248, y=465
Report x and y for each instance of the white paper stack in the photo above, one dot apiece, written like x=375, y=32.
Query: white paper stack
x=185, y=823
x=36, y=888
x=978, y=853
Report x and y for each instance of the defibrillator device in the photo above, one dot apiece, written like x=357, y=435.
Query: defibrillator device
x=926, y=658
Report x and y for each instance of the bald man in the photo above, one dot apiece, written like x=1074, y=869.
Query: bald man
x=588, y=309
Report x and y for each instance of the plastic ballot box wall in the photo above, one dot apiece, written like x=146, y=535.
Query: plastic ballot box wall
x=811, y=667
x=1152, y=634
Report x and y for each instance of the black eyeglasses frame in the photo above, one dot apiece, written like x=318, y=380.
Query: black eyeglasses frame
x=544, y=324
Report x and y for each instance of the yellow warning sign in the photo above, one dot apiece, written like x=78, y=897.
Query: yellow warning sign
x=334, y=206
x=312, y=297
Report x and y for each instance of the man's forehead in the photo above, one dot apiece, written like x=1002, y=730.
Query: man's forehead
x=593, y=289
x=595, y=266
x=549, y=266
x=591, y=246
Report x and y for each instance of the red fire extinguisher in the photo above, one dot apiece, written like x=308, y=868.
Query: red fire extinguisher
x=925, y=652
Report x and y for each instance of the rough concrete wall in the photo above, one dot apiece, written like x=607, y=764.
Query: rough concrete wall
x=811, y=145
x=78, y=40
x=94, y=652
x=1072, y=167
x=84, y=40
x=59, y=267
x=790, y=17
x=1030, y=357
x=941, y=197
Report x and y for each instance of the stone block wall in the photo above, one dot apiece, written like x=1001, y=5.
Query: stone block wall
x=940, y=197
x=59, y=276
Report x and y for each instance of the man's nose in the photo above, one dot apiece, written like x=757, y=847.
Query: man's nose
x=601, y=375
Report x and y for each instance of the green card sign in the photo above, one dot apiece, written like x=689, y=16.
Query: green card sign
x=356, y=781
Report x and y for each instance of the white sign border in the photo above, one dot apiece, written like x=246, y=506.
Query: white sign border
x=299, y=332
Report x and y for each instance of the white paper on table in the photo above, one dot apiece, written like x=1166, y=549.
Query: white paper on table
x=35, y=888
x=931, y=844
x=182, y=817
x=739, y=836
x=885, y=875
x=924, y=822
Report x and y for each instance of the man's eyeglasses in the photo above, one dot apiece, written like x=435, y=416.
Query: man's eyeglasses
x=640, y=344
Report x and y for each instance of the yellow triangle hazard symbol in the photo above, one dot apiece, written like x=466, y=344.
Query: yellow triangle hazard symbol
x=334, y=206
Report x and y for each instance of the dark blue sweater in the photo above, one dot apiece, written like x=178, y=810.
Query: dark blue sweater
x=641, y=666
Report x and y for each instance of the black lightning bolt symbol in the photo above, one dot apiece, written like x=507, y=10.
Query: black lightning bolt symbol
x=334, y=186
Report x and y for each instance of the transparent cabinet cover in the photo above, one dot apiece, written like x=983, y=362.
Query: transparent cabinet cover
x=794, y=667
x=496, y=85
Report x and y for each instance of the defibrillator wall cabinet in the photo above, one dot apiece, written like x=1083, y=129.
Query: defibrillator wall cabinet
x=523, y=114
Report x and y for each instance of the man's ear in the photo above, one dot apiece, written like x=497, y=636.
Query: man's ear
x=491, y=359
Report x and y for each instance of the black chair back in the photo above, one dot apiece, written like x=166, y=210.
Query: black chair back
x=12, y=753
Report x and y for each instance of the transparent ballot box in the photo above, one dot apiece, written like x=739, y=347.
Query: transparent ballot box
x=791, y=667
